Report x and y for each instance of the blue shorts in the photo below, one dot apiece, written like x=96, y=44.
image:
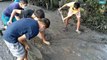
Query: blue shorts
x=5, y=19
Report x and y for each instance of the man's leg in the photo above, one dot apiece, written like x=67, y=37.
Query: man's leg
x=20, y=58
x=4, y=20
x=16, y=49
x=66, y=19
x=41, y=35
x=26, y=55
x=78, y=22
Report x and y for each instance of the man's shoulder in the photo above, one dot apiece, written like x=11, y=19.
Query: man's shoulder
x=14, y=3
x=29, y=20
x=26, y=19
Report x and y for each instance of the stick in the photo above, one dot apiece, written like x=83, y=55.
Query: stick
x=61, y=15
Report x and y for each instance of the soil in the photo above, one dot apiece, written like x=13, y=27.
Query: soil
x=69, y=45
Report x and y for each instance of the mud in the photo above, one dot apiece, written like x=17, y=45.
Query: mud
x=89, y=45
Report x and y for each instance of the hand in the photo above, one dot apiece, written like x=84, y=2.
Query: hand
x=27, y=47
x=46, y=42
x=9, y=22
x=63, y=19
x=59, y=9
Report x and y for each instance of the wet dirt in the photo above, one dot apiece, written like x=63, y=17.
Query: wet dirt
x=89, y=45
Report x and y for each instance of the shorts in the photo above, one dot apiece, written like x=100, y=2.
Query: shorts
x=77, y=14
x=16, y=49
x=5, y=19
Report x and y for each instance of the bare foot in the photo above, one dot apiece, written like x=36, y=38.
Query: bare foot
x=79, y=32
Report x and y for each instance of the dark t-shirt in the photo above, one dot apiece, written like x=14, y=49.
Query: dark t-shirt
x=26, y=26
x=11, y=7
x=26, y=13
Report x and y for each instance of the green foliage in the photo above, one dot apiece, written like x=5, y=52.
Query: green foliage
x=92, y=18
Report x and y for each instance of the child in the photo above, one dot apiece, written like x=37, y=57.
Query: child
x=16, y=34
x=7, y=12
x=37, y=14
x=74, y=9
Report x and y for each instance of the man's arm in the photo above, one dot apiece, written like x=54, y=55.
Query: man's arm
x=22, y=40
x=42, y=36
x=17, y=17
x=13, y=14
x=62, y=7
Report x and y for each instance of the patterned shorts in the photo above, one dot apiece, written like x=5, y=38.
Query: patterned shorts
x=16, y=49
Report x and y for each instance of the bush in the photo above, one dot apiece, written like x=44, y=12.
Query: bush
x=92, y=17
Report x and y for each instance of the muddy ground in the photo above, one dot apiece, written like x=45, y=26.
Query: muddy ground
x=89, y=45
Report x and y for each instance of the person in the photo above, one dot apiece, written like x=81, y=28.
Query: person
x=17, y=33
x=7, y=12
x=29, y=13
x=74, y=8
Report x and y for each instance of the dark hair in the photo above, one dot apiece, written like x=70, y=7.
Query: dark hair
x=46, y=21
x=76, y=5
x=39, y=13
x=24, y=1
